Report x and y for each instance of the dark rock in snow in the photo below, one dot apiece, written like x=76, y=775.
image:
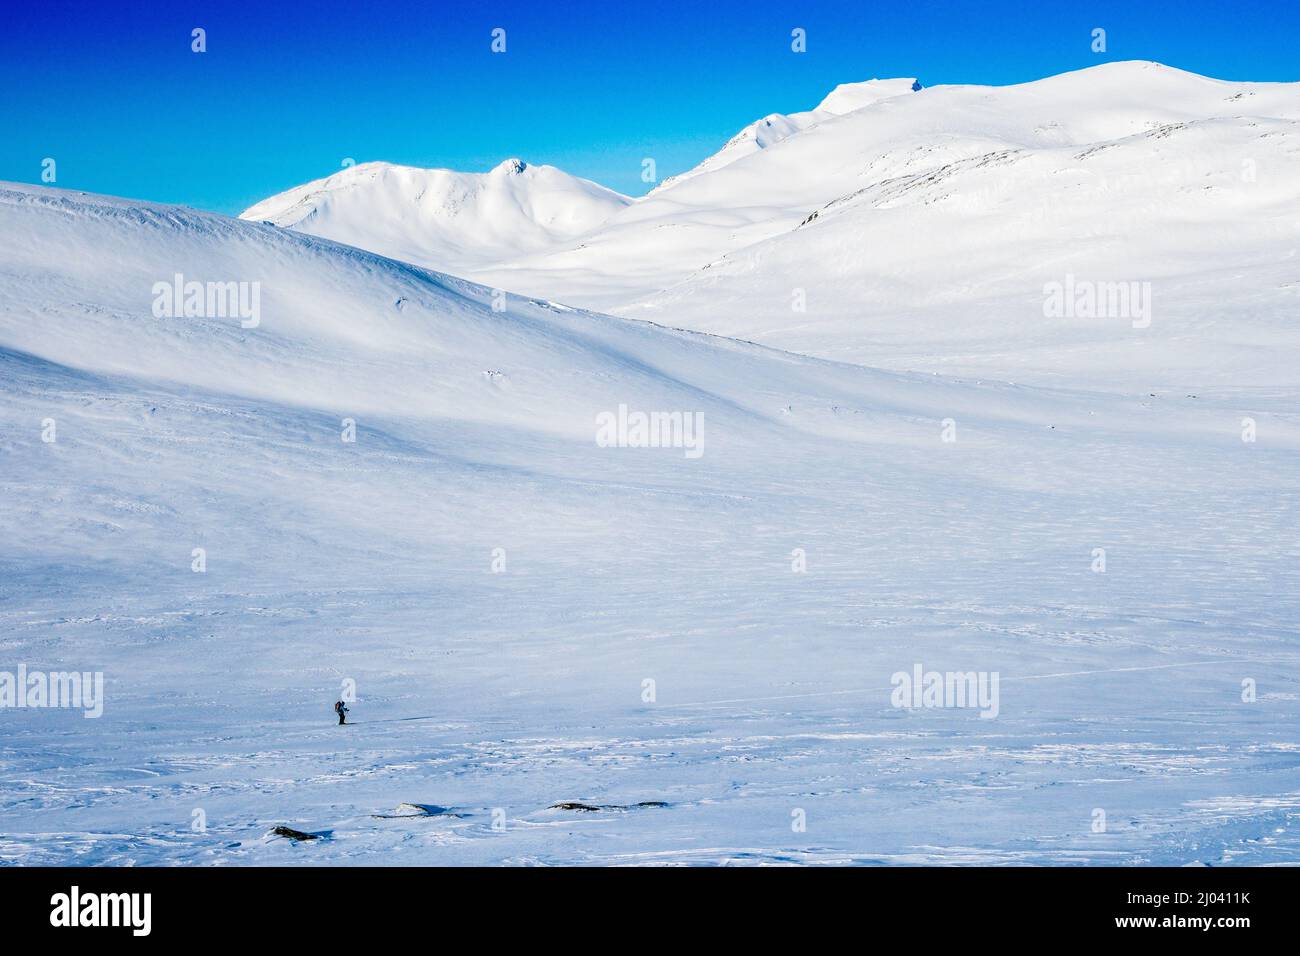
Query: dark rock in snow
x=292, y=834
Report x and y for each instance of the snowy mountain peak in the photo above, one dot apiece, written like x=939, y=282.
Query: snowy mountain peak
x=450, y=220
x=776, y=127
x=510, y=167
x=848, y=97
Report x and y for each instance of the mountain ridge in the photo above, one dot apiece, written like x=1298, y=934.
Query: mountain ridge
x=458, y=220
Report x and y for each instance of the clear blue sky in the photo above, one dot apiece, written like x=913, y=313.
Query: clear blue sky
x=287, y=90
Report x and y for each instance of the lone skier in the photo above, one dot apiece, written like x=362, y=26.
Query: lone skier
x=341, y=709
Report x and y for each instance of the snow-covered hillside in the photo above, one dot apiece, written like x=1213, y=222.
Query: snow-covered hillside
x=700, y=647
x=456, y=221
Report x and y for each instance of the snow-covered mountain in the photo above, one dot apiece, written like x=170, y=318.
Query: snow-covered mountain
x=912, y=228
x=775, y=127
x=919, y=230
x=454, y=221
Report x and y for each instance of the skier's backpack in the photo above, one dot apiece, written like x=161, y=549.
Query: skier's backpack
x=338, y=706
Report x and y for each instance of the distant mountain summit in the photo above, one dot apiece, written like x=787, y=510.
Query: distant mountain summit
x=455, y=221
x=775, y=127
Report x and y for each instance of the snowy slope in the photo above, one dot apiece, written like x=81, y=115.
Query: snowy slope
x=451, y=220
x=773, y=128
x=340, y=328
x=498, y=695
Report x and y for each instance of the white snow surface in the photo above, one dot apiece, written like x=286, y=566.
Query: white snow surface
x=491, y=697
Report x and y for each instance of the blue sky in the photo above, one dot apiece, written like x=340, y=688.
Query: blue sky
x=286, y=91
